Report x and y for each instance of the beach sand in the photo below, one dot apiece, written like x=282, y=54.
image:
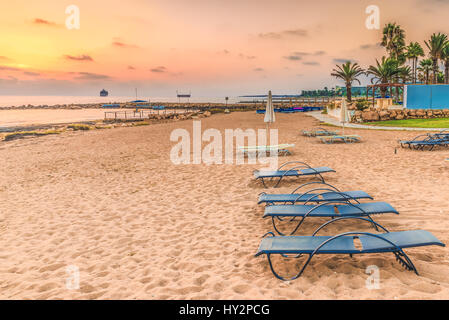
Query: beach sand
x=111, y=203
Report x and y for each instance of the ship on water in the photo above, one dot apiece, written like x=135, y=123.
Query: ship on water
x=104, y=93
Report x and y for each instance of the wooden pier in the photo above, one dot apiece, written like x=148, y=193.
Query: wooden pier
x=139, y=115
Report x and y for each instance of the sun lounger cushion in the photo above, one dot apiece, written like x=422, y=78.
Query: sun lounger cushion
x=329, y=211
x=345, y=244
x=313, y=197
x=291, y=173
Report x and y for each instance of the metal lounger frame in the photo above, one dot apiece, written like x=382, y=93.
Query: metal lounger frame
x=400, y=255
x=302, y=166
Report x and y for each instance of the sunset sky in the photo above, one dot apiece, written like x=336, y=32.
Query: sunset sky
x=211, y=47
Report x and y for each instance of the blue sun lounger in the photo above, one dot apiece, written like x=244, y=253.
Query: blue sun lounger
x=341, y=138
x=298, y=171
x=427, y=140
x=319, y=132
x=394, y=242
x=431, y=144
x=324, y=193
x=331, y=209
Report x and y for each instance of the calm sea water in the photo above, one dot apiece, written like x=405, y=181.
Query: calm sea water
x=9, y=101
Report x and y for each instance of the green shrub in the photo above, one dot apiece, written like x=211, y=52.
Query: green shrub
x=23, y=134
x=139, y=124
x=77, y=127
x=216, y=110
x=331, y=106
x=362, y=104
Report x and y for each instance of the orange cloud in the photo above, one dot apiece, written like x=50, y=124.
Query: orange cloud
x=83, y=57
x=123, y=45
x=44, y=22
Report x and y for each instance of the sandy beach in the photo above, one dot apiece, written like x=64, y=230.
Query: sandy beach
x=111, y=203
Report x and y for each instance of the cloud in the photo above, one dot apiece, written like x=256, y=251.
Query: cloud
x=338, y=60
x=121, y=44
x=131, y=68
x=4, y=58
x=10, y=80
x=14, y=69
x=282, y=34
x=83, y=57
x=160, y=69
x=258, y=69
x=91, y=76
x=296, y=32
x=311, y=63
x=39, y=21
x=293, y=58
x=6, y=68
x=370, y=46
x=243, y=56
x=298, y=55
x=30, y=73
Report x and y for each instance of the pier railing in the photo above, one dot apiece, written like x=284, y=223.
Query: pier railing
x=139, y=115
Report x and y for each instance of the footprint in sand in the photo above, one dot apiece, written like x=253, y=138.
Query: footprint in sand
x=201, y=280
x=241, y=288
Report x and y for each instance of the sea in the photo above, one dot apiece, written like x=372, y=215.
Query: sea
x=17, y=101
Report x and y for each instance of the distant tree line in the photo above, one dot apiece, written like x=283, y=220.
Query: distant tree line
x=333, y=92
x=433, y=68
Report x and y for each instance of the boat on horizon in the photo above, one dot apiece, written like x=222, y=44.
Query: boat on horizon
x=104, y=93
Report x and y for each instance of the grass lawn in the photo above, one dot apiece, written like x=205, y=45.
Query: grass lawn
x=413, y=123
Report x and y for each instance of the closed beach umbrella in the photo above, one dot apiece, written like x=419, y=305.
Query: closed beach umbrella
x=344, y=113
x=269, y=112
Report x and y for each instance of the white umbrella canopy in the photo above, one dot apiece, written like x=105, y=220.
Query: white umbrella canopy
x=269, y=111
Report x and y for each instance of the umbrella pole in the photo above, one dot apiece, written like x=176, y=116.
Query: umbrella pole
x=268, y=132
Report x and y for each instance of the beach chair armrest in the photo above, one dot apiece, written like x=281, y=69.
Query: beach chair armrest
x=314, y=182
x=292, y=162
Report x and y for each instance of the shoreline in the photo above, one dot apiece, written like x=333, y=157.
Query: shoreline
x=36, y=130
x=129, y=105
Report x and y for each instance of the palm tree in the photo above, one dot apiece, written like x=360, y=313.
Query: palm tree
x=425, y=67
x=436, y=45
x=405, y=74
x=445, y=57
x=440, y=77
x=394, y=41
x=348, y=72
x=384, y=72
x=414, y=51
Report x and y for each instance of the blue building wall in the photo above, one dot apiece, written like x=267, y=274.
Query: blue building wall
x=427, y=97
